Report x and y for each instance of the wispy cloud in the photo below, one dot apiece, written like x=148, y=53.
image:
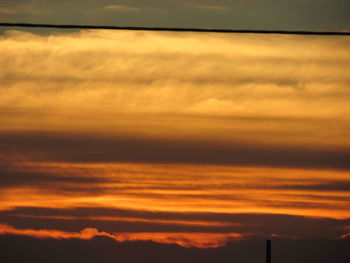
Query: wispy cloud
x=214, y=8
x=177, y=188
x=122, y=8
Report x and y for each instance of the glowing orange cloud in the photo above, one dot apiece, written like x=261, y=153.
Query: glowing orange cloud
x=185, y=189
x=345, y=236
x=137, y=220
x=200, y=240
x=86, y=233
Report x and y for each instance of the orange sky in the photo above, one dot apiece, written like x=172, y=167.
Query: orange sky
x=194, y=139
x=174, y=197
x=181, y=188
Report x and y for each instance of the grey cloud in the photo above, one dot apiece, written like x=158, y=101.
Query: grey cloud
x=272, y=14
x=104, y=250
x=70, y=147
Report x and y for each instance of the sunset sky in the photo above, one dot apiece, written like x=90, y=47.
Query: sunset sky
x=191, y=146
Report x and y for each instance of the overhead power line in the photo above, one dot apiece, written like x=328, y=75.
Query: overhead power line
x=179, y=29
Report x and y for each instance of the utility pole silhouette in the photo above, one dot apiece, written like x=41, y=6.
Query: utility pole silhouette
x=268, y=251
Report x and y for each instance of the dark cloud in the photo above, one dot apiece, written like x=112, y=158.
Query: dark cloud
x=340, y=186
x=16, y=249
x=17, y=178
x=75, y=147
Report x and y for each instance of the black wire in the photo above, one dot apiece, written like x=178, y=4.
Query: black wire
x=177, y=29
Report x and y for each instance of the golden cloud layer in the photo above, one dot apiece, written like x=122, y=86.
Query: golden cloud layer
x=261, y=89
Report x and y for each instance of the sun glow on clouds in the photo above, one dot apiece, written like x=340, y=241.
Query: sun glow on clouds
x=190, y=139
x=189, y=205
x=297, y=87
x=180, y=188
x=199, y=240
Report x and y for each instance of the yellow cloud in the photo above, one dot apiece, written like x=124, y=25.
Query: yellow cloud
x=265, y=89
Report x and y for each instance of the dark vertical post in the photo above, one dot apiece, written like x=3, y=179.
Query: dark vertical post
x=268, y=251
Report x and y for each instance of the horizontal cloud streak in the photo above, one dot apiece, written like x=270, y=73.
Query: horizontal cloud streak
x=177, y=188
x=199, y=240
x=91, y=147
x=140, y=221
